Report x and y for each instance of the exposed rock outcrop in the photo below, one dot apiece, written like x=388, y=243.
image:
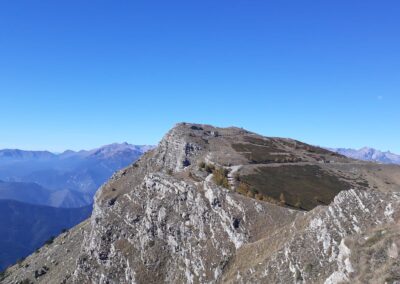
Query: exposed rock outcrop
x=198, y=209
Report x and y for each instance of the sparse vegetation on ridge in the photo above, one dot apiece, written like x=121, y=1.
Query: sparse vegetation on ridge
x=50, y=240
x=245, y=189
x=220, y=174
x=295, y=186
x=220, y=177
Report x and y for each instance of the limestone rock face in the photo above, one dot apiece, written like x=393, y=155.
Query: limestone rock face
x=198, y=209
x=319, y=246
x=178, y=232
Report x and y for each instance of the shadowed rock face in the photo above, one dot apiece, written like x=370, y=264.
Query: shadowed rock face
x=198, y=209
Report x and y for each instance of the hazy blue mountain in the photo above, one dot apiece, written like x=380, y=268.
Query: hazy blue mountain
x=16, y=154
x=33, y=193
x=25, y=227
x=369, y=154
x=32, y=181
x=24, y=192
x=69, y=179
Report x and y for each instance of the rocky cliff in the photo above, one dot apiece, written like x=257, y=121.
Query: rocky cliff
x=224, y=205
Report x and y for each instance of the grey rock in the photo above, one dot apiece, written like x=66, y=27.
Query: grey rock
x=165, y=219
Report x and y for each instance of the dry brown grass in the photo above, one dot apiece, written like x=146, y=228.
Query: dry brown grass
x=220, y=177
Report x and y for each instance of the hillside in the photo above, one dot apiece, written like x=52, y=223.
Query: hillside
x=26, y=227
x=224, y=205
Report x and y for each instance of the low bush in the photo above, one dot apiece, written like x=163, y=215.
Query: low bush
x=246, y=190
x=50, y=240
x=202, y=165
x=209, y=168
x=220, y=177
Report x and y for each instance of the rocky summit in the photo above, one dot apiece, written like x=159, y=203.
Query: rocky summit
x=224, y=205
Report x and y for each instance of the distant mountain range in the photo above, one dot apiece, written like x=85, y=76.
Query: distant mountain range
x=33, y=193
x=34, y=185
x=26, y=227
x=369, y=154
x=107, y=150
x=69, y=179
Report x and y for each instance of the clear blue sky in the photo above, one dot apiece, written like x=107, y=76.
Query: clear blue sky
x=79, y=74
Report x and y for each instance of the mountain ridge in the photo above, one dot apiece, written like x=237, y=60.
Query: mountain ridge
x=70, y=178
x=56, y=181
x=369, y=154
x=29, y=154
x=197, y=209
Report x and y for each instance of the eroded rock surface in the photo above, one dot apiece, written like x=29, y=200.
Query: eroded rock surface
x=198, y=209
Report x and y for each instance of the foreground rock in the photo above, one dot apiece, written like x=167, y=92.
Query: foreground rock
x=199, y=209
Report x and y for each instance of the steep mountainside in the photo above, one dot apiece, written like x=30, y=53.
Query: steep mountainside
x=213, y=205
x=369, y=154
x=71, y=178
x=25, y=227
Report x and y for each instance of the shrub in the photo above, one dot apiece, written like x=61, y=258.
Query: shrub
x=209, y=168
x=246, y=190
x=237, y=177
x=50, y=240
x=259, y=196
x=220, y=177
x=270, y=199
x=243, y=188
x=250, y=194
x=20, y=261
x=202, y=165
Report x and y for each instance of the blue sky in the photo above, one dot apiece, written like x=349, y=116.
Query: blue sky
x=79, y=74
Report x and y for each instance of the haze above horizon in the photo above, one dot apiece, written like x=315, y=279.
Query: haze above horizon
x=80, y=74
